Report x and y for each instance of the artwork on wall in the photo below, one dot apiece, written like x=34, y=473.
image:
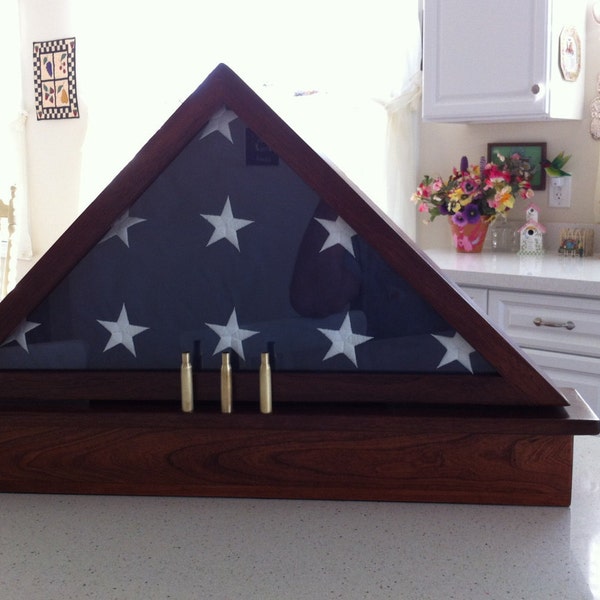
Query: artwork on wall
x=535, y=152
x=54, y=79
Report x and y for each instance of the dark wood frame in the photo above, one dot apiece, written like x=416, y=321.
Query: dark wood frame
x=223, y=87
x=504, y=438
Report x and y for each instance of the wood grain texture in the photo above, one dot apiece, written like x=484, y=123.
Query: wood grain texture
x=521, y=455
x=349, y=387
x=222, y=455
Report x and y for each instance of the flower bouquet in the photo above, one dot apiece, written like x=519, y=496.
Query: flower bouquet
x=473, y=196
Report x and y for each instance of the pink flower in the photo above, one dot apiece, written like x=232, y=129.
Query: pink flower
x=469, y=185
x=437, y=185
x=496, y=175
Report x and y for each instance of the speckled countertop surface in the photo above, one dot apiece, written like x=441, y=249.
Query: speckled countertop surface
x=129, y=548
x=549, y=273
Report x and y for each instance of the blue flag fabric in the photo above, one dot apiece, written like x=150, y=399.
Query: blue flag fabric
x=229, y=251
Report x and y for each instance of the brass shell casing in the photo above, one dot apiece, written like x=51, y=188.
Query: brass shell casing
x=226, y=386
x=187, y=384
x=266, y=400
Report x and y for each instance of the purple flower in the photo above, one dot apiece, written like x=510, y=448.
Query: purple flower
x=472, y=214
x=460, y=218
x=468, y=186
x=464, y=164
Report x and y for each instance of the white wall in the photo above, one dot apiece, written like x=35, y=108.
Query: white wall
x=53, y=147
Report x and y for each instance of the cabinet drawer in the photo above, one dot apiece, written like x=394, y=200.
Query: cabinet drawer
x=579, y=372
x=517, y=313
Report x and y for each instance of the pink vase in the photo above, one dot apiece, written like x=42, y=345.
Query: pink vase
x=469, y=237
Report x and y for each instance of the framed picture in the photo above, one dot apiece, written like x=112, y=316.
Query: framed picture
x=535, y=152
x=54, y=79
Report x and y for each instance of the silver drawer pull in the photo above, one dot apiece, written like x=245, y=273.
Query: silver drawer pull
x=540, y=322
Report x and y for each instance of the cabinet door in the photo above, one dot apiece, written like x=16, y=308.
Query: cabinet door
x=485, y=60
x=579, y=372
x=478, y=295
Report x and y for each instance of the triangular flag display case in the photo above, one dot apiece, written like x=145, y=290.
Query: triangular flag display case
x=228, y=237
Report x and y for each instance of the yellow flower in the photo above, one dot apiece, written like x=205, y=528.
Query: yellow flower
x=453, y=207
x=504, y=199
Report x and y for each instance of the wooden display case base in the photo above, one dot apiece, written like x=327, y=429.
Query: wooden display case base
x=487, y=455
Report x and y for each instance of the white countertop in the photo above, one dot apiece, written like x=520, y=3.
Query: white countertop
x=127, y=548
x=550, y=272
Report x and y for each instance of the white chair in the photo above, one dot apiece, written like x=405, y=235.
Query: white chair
x=7, y=211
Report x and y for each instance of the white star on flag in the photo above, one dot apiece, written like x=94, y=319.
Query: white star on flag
x=339, y=233
x=120, y=227
x=18, y=335
x=121, y=332
x=344, y=340
x=226, y=225
x=457, y=348
x=231, y=335
x=220, y=122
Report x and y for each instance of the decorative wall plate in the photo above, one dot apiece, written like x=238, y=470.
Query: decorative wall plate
x=570, y=53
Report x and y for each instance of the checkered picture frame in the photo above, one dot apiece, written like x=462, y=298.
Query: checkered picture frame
x=54, y=79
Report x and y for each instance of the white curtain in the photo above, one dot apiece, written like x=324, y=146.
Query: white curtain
x=133, y=72
x=401, y=156
x=597, y=194
x=404, y=116
x=12, y=124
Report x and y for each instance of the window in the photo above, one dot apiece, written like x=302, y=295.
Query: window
x=137, y=68
x=12, y=122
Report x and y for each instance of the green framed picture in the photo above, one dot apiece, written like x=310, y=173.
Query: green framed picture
x=535, y=152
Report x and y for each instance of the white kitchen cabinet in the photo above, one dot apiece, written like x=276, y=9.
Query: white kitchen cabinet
x=571, y=371
x=567, y=324
x=478, y=295
x=514, y=60
x=560, y=333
